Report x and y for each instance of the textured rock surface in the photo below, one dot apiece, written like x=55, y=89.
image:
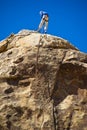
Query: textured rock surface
x=43, y=83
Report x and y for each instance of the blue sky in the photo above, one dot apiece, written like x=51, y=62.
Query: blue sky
x=68, y=18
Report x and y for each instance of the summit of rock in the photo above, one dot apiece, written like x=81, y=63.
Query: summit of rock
x=27, y=38
x=43, y=83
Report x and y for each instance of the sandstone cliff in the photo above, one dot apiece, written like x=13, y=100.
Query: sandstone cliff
x=43, y=83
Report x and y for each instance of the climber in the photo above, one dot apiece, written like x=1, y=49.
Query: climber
x=44, y=21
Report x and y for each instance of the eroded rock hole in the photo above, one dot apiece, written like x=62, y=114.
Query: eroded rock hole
x=68, y=80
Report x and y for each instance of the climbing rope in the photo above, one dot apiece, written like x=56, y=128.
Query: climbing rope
x=37, y=56
x=55, y=120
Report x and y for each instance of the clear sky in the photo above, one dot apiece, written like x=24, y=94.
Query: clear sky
x=68, y=18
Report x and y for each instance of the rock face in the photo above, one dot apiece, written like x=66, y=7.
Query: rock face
x=43, y=83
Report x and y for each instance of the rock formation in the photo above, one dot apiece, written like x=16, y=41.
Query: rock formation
x=43, y=83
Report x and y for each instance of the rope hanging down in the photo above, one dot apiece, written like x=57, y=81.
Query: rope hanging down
x=37, y=56
x=54, y=108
